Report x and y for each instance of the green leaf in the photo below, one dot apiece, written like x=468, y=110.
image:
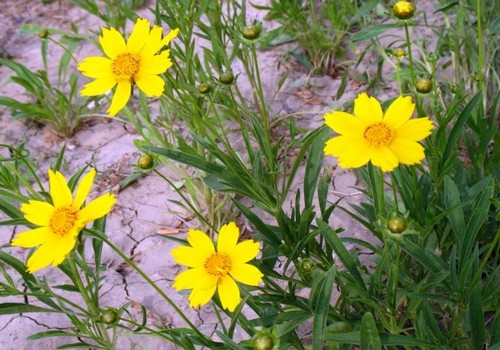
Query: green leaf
x=369, y=338
x=322, y=295
x=77, y=346
x=314, y=165
x=371, y=32
x=17, y=308
x=453, y=203
x=385, y=339
x=476, y=318
x=51, y=333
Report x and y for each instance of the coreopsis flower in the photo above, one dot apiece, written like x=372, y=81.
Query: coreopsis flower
x=369, y=135
x=61, y=221
x=212, y=269
x=403, y=9
x=139, y=60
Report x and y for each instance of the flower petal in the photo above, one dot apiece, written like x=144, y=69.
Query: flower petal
x=96, y=67
x=367, y=109
x=112, y=42
x=229, y=293
x=42, y=257
x=352, y=152
x=201, y=242
x=32, y=238
x=201, y=296
x=244, y=251
x=153, y=42
x=345, y=124
x=415, y=129
x=155, y=64
x=37, y=212
x=59, y=190
x=121, y=97
x=83, y=189
x=407, y=151
x=151, y=85
x=190, y=279
x=63, y=247
x=139, y=35
x=171, y=35
x=98, y=86
x=97, y=208
x=227, y=239
x=384, y=158
x=399, y=112
x=189, y=256
x=247, y=274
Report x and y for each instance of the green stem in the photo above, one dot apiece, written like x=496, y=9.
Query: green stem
x=485, y=259
x=260, y=92
x=410, y=55
x=398, y=77
x=481, y=51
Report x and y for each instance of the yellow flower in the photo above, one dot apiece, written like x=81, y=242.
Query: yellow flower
x=134, y=61
x=60, y=222
x=212, y=270
x=386, y=140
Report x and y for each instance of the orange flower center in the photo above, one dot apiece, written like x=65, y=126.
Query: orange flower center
x=379, y=135
x=125, y=65
x=218, y=265
x=63, y=220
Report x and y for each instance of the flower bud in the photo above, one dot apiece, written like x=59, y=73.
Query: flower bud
x=43, y=34
x=145, y=162
x=396, y=224
x=307, y=265
x=403, y=9
x=263, y=342
x=399, y=53
x=250, y=32
x=109, y=316
x=204, y=88
x=423, y=85
x=226, y=78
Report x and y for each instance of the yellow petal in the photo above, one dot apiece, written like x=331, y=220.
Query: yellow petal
x=97, y=208
x=83, y=189
x=121, y=97
x=244, y=252
x=138, y=36
x=189, y=256
x=399, y=111
x=247, y=274
x=32, y=238
x=229, y=293
x=345, y=124
x=201, y=242
x=153, y=42
x=59, y=190
x=37, y=212
x=98, y=86
x=64, y=246
x=351, y=152
x=151, y=85
x=408, y=152
x=171, y=35
x=415, y=129
x=190, y=279
x=367, y=109
x=384, y=158
x=155, y=64
x=227, y=238
x=201, y=296
x=112, y=42
x=96, y=67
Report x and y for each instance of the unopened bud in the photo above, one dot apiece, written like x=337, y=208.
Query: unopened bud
x=204, y=88
x=226, y=78
x=43, y=34
x=399, y=53
x=423, y=85
x=396, y=224
x=250, y=32
x=145, y=162
x=109, y=316
x=403, y=9
x=263, y=342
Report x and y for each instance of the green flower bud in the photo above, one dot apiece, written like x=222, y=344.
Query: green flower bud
x=145, y=162
x=263, y=342
x=399, y=53
x=250, y=32
x=403, y=9
x=43, y=34
x=423, y=85
x=204, y=88
x=307, y=265
x=226, y=78
x=396, y=224
x=109, y=316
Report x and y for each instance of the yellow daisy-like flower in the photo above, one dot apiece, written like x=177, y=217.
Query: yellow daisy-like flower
x=60, y=222
x=369, y=135
x=139, y=60
x=212, y=270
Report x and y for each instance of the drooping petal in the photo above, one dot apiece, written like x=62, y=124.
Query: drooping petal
x=384, y=158
x=189, y=279
x=37, y=212
x=83, y=189
x=415, y=129
x=97, y=208
x=244, y=252
x=247, y=274
x=345, y=124
x=201, y=242
x=189, y=256
x=59, y=190
x=368, y=109
x=201, y=296
x=399, y=112
x=112, y=42
x=155, y=64
x=32, y=238
x=227, y=239
x=407, y=151
x=138, y=36
x=229, y=293
x=121, y=97
x=98, y=86
x=96, y=67
x=151, y=85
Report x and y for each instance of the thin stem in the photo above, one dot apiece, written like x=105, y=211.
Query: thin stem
x=481, y=51
x=260, y=92
x=410, y=55
x=64, y=48
x=485, y=259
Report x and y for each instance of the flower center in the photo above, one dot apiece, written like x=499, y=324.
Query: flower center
x=218, y=265
x=379, y=135
x=125, y=65
x=63, y=220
